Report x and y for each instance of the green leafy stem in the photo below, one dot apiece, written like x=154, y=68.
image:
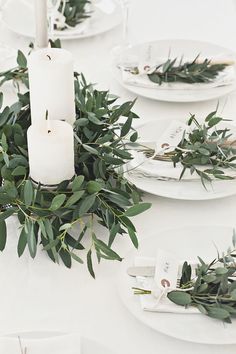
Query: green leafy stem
x=186, y=72
x=207, y=144
x=212, y=289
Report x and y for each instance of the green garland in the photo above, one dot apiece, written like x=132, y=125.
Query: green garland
x=98, y=190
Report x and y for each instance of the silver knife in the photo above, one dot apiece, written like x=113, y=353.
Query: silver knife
x=139, y=271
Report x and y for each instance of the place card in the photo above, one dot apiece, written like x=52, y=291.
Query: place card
x=167, y=269
x=171, y=137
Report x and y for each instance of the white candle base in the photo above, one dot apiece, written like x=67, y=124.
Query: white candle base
x=51, y=153
x=48, y=186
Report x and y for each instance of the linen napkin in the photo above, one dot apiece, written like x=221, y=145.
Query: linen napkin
x=61, y=344
x=225, y=77
x=151, y=303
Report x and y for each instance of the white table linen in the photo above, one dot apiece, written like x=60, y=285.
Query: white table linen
x=36, y=295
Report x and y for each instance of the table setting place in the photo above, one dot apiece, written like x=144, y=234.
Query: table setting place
x=117, y=198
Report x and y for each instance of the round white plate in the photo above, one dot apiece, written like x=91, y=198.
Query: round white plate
x=88, y=346
x=178, y=48
x=18, y=16
x=187, y=243
x=185, y=190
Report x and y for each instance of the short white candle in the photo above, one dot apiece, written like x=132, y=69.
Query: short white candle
x=51, y=153
x=41, y=23
x=51, y=81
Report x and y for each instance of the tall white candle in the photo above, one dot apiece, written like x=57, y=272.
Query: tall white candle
x=51, y=81
x=41, y=24
x=51, y=153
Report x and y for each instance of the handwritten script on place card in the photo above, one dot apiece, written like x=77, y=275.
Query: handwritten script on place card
x=171, y=137
x=167, y=266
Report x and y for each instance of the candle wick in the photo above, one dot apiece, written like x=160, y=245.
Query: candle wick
x=48, y=123
x=49, y=57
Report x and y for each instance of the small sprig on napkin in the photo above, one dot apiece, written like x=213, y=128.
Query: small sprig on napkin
x=74, y=12
x=212, y=290
x=189, y=72
x=206, y=144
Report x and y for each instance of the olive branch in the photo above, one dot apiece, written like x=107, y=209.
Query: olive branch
x=212, y=289
x=186, y=72
x=206, y=144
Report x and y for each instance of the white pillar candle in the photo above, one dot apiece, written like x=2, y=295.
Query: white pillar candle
x=51, y=81
x=51, y=153
x=41, y=24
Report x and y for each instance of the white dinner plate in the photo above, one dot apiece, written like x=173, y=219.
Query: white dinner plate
x=183, y=189
x=18, y=16
x=187, y=243
x=178, y=48
x=88, y=346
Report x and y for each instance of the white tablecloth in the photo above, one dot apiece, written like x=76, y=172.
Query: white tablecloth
x=36, y=295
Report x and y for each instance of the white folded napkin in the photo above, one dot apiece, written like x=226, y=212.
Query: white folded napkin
x=141, y=166
x=225, y=77
x=149, y=302
x=61, y=344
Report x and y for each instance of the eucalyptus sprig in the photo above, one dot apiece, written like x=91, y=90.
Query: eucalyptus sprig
x=212, y=289
x=74, y=12
x=98, y=193
x=207, y=145
x=188, y=72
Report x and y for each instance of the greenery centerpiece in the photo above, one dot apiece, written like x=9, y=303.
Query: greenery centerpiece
x=98, y=192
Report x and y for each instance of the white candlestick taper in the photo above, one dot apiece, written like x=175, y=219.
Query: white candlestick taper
x=51, y=81
x=41, y=24
x=51, y=152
